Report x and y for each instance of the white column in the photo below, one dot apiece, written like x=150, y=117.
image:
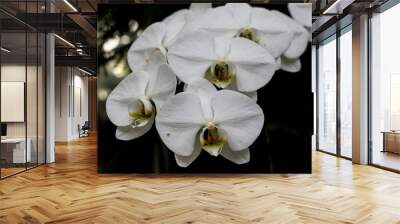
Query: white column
x=50, y=99
x=360, y=90
x=50, y=92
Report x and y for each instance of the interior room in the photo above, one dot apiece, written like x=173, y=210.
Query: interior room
x=56, y=53
x=22, y=99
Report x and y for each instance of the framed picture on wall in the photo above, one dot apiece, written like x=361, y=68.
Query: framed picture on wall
x=12, y=101
x=204, y=88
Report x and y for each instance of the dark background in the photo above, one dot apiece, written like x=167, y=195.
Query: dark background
x=284, y=145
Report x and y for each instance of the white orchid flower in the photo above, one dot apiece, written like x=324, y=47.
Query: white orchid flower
x=155, y=40
x=299, y=42
x=254, y=23
x=190, y=19
x=302, y=13
x=222, y=61
x=222, y=123
x=290, y=65
x=290, y=61
x=253, y=95
x=131, y=106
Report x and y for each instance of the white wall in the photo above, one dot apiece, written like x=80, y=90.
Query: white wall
x=61, y=103
x=34, y=125
x=79, y=117
x=12, y=73
x=70, y=83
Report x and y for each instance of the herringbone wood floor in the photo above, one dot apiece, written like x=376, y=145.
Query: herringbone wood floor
x=70, y=191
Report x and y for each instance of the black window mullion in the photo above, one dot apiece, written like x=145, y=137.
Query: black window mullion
x=317, y=96
x=37, y=90
x=369, y=100
x=0, y=96
x=26, y=87
x=338, y=94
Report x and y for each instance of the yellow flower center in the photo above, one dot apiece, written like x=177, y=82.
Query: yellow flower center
x=212, y=140
x=249, y=34
x=141, y=113
x=220, y=74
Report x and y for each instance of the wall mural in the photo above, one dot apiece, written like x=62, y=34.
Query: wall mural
x=204, y=88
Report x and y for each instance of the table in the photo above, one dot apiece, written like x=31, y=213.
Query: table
x=391, y=141
x=16, y=147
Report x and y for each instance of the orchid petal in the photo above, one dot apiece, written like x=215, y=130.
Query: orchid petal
x=241, y=13
x=179, y=121
x=185, y=161
x=162, y=86
x=298, y=45
x=254, y=65
x=301, y=12
x=127, y=133
x=193, y=23
x=153, y=63
x=222, y=46
x=252, y=95
x=118, y=110
x=278, y=62
x=244, y=51
x=205, y=90
x=238, y=157
x=220, y=22
x=290, y=65
x=239, y=116
x=124, y=96
x=274, y=34
x=195, y=17
x=174, y=25
x=191, y=58
x=200, y=8
x=143, y=48
x=300, y=39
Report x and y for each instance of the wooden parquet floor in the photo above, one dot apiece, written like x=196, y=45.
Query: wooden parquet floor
x=71, y=191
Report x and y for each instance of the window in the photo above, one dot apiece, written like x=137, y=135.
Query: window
x=385, y=89
x=346, y=93
x=327, y=96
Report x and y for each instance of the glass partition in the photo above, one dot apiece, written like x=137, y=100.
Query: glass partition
x=22, y=77
x=327, y=96
x=14, y=153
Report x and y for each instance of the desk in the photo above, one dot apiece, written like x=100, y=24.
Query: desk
x=391, y=141
x=16, y=147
